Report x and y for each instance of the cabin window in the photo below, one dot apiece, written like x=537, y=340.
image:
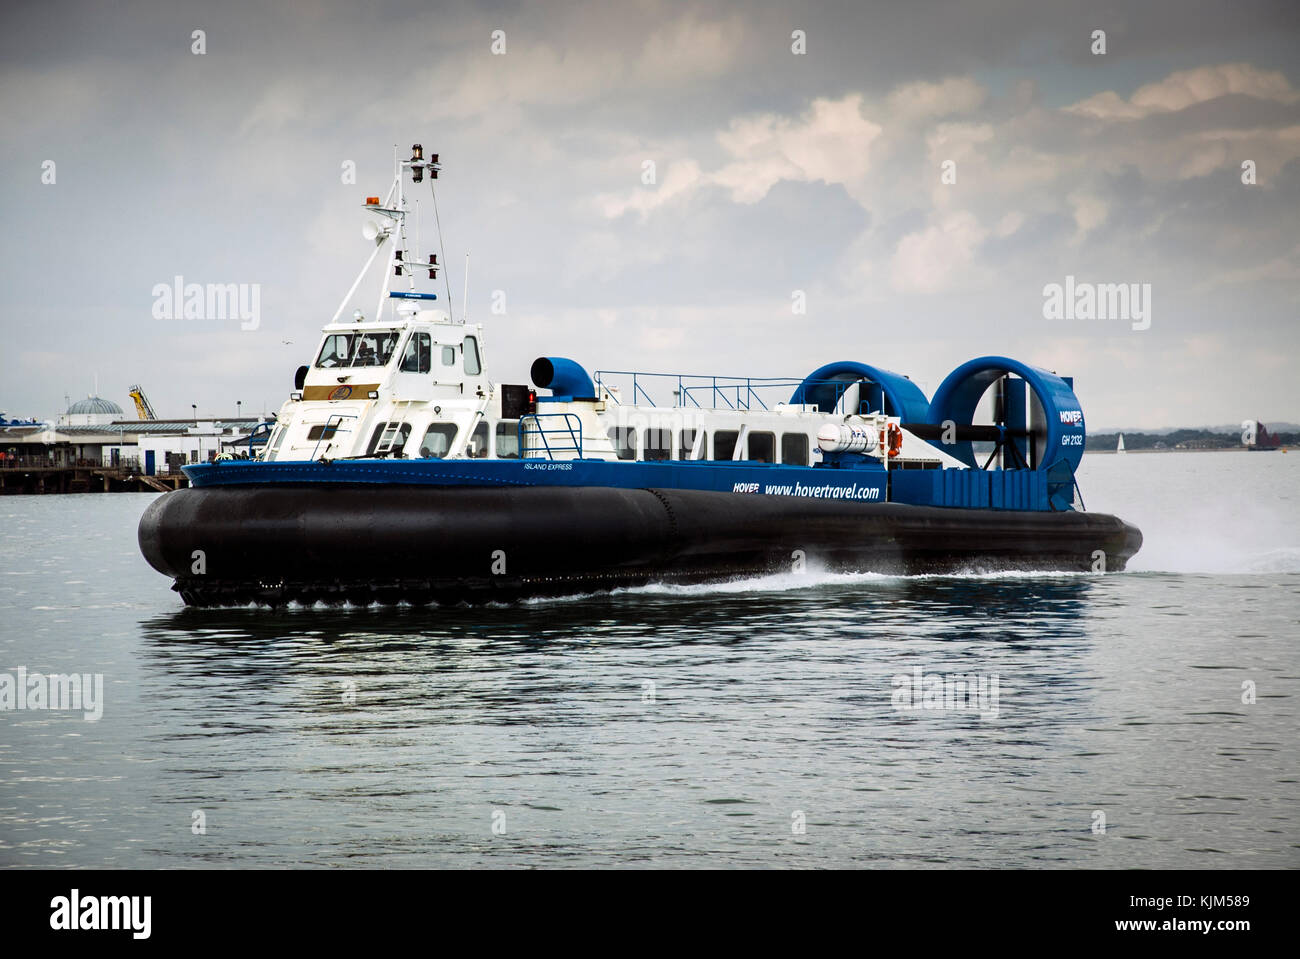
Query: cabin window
x=724, y=444
x=323, y=431
x=762, y=447
x=688, y=444
x=478, y=442
x=385, y=346
x=391, y=444
x=277, y=438
x=449, y=356
x=437, y=440
x=508, y=441
x=336, y=351
x=658, y=445
x=472, y=365
x=374, y=348
x=418, y=355
x=624, y=440
x=366, y=348
x=794, y=448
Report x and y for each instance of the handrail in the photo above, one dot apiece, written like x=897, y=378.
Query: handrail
x=575, y=436
x=270, y=428
x=340, y=417
x=746, y=395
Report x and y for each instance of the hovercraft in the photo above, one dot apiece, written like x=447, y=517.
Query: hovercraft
x=397, y=471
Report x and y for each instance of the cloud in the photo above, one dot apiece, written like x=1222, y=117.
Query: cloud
x=577, y=69
x=831, y=142
x=679, y=178
x=1090, y=212
x=957, y=141
x=1184, y=88
x=922, y=100
x=933, y=259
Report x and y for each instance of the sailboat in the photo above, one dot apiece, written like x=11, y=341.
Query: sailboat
x=1120, y=448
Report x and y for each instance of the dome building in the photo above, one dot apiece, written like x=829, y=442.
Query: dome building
x=92, y=411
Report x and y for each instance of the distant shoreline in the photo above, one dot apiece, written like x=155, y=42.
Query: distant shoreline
x=1227, y=449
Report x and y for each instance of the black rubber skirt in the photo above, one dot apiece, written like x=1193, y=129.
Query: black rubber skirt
x=234, y=545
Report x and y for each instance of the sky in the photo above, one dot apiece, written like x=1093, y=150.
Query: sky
x=736, y=188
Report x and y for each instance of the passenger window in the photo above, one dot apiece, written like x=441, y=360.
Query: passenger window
x=508, y=441
x=688, y=444
x=478, y=442
x=762, y=447
x=624, y=439
x=449, y=356
x=323, y=431
x=389, y=439
x=417, y=357
x=472, y=365
x=437, y=440
x=724, y=444
x=658, y=445
x=794, y=448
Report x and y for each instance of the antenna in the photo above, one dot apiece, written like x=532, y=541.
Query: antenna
x=464, y=310
x=446, y=278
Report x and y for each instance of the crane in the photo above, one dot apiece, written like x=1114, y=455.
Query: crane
x=142, y=408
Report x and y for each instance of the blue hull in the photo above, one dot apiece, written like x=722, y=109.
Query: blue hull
x=867, y=484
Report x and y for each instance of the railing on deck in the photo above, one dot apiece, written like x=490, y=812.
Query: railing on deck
x=267, y=427
x=720, y=392
x=571, y=429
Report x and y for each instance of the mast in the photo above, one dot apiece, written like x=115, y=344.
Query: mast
x=392, y=212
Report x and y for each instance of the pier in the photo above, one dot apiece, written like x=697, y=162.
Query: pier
x=37, y=476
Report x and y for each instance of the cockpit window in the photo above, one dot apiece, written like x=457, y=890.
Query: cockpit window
x=373, y=348
x=363, y=348
x=336, y=351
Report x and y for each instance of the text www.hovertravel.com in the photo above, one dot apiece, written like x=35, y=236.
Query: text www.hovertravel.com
x=816, y=492
x=1203, y=926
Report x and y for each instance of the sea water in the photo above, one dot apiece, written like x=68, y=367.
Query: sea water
x=1138, y=719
